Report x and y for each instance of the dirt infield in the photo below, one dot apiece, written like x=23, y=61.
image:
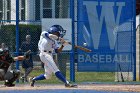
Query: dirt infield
x=103, y=87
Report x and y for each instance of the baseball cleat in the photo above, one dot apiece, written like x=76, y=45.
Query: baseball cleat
x=7, y=84
x=70, y=85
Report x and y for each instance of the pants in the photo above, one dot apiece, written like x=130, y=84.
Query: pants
x=11, y=76
x=27, y=72
x=49, y=64
x=2, y=73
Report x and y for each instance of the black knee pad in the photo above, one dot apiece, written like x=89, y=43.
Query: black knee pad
x=9, y=75
x=12, y=74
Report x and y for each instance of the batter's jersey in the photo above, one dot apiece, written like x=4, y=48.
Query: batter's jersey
x=46, y=43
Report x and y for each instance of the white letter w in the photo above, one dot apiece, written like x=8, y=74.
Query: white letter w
x=107, y=15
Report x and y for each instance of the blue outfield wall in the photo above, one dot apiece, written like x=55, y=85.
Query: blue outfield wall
x=107, y=28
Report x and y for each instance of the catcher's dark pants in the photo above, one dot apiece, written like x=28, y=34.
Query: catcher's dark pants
x=9, y=76
x=2, y=74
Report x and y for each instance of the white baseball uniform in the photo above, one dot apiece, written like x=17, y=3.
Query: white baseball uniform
x=47, y=44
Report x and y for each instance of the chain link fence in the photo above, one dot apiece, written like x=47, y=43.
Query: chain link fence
x=31, y=13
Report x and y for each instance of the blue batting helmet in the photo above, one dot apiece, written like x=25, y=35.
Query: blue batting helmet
x=57, y=28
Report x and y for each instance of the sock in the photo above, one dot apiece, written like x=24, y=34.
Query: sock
x=61, y=77
x=40, y=77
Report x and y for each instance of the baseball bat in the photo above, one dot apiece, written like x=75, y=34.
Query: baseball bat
x=81, y=48
x=121, y=73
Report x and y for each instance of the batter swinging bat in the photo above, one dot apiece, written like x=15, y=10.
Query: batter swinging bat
x=81, y=48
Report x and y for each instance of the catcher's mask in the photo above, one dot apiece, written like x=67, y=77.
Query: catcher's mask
x=4, y=54
x=57, y=29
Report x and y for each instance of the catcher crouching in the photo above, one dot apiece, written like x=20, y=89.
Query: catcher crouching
x=8, y=73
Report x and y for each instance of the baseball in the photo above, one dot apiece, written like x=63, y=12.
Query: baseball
x=85, y=44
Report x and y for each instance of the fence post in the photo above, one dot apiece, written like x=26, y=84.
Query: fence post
x=72, y=53
x=134, y=41
x=17, y=32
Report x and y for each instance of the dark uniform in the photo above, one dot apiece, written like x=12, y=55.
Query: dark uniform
x=24, y=48
x=7, y=71
x=27, y=64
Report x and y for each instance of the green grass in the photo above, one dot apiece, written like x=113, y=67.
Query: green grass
x=94, y=77
x=52, y=80
x=80, y=77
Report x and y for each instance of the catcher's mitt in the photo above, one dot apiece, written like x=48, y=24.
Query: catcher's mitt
x=27, y=54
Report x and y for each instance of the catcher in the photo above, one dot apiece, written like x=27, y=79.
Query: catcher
x=8, y=73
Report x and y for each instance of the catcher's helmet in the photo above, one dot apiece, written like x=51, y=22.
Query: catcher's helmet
x=57, y=28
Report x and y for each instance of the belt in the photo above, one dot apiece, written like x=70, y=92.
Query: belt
x=47, y=51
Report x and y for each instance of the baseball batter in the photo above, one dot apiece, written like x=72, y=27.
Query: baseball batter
x=47, y=45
